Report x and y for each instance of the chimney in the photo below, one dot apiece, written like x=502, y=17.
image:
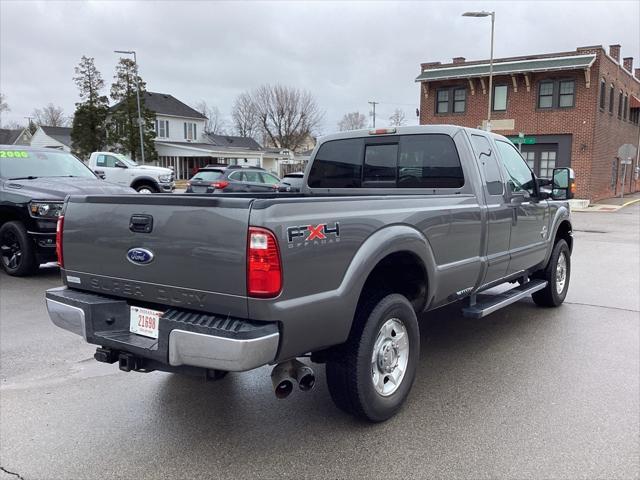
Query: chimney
x=628, y=64
x=425, y=66
x=458, y=60
x=614, y=52
x=637, y=74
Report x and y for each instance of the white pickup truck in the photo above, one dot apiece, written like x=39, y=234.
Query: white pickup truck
x=117, y=168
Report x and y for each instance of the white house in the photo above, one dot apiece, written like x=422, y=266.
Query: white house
x=52, y=137
x=18, y=136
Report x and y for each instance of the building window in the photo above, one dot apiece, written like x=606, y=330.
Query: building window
x=499, y=98
x=451, y=100
x=625, y=110
x=611, y=93
x=545, y=95
x=634, y=115
x=162, y=128
x=442, y=101
x=530, y=158
x=459, y=100
x=603, y=93
x=190, y=132
x=547, y=164
x=567, y=93
x=620, y=104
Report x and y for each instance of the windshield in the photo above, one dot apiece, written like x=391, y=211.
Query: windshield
x=207, y=175
x=126, y=160
x=21, y=164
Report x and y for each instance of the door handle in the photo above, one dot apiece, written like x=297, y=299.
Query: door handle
x=141, y=223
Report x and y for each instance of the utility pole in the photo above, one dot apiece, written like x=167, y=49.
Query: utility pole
x=135, y=62
x=374, y=112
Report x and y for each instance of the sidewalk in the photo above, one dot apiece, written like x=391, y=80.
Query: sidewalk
x=610, y=204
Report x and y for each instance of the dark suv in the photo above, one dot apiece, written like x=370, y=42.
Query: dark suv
x=234, y=178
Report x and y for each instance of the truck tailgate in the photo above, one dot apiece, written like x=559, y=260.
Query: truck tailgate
x=195, y=250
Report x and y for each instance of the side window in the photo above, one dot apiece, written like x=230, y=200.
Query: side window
x=107, y=161
x=520, y=176
x=101, y=161
x=380, y=164
x=237, y=176
x=270, y=179
x=429, y=161
x=338, y=164
x=253, y=177
x=489, y=164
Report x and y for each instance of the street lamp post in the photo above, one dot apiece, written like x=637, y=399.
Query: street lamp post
x=135, y=61
x=493, y=20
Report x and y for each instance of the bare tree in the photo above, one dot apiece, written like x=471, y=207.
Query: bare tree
x=4, y=106
x=50, y=116
x=397, y=119
x=13, y=125
x=215, y=123
x=286, y=116
x=352, y=121
x=245, y=116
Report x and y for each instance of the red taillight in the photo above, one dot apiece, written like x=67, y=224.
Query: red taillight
x=264, y=273
x=59, y=229
x=382, y=131
x=221, y=184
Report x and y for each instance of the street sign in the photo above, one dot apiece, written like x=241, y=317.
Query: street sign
x=627, y=152
x=524, y=140
x=625, y=161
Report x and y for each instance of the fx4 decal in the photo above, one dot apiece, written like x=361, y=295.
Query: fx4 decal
x=301, y=234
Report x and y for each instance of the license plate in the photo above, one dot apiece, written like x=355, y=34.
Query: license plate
x=145, y=321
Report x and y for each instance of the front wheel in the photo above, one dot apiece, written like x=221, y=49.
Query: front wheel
x=17, y=252
x=557, y=274
x=373, y=375
x=146, y=189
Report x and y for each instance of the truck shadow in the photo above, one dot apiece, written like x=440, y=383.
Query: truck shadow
x=458, y=357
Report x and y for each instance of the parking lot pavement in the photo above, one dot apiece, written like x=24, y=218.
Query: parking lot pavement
x=524, y=393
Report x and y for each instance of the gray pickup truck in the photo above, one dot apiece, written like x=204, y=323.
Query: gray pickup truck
x=389, y=224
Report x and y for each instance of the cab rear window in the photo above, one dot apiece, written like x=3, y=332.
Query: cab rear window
x=207, y=175
x=405, y=161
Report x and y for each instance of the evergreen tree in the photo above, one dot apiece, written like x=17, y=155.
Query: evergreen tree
x=88, y=133
x=123, y=131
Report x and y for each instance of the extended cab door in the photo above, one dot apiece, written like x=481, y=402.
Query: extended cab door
x=107, y=164
x=530, y=216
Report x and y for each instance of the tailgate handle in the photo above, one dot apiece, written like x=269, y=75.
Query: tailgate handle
x=141, y=223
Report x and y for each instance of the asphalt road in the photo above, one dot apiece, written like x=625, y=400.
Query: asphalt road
x=524, y=393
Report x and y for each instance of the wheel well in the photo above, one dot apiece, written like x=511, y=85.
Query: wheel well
x=143, y=181
x=564, y=233
x=8, y=217
x=400, y=272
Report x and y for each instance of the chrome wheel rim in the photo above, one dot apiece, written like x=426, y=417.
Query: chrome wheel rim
x=10, y=251
x=145, y=191
x=561, y=273
x=390, y=357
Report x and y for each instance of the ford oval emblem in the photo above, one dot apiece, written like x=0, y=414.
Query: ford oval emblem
x=140, y=256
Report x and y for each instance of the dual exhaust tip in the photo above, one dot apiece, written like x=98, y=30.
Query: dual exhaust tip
x=284, y=375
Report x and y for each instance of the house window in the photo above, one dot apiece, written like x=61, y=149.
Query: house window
x=567, y=92
x=547, y=164
x=190, y=132
x=451, y=100
x=634, y=115
x=499, y=98
x=545, y=95
x=611, y=93
x=603, y=93
x=442, y=101
x=625, y=110
x=620, y=104
x=162, y=128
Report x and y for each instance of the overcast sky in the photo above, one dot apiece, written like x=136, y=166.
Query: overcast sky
x=345, y=54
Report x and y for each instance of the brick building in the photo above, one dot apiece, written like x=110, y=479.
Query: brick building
x=574, y=108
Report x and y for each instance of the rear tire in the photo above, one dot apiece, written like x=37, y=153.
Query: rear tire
x=557, y=273
x=17, y=252
x=374, y=371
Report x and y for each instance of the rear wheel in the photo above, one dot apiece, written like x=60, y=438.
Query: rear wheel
x=17, y=252
x=373, y=374
x=557, y=274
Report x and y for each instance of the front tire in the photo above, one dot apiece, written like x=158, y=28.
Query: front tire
x=145, y=188
x=373, y=374
x=557, y=274
x=17, y=252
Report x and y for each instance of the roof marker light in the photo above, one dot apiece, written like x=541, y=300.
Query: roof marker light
x=382, y=131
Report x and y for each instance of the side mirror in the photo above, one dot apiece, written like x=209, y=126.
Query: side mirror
x=120, y=164
x=564, y=184
x=100, y=174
